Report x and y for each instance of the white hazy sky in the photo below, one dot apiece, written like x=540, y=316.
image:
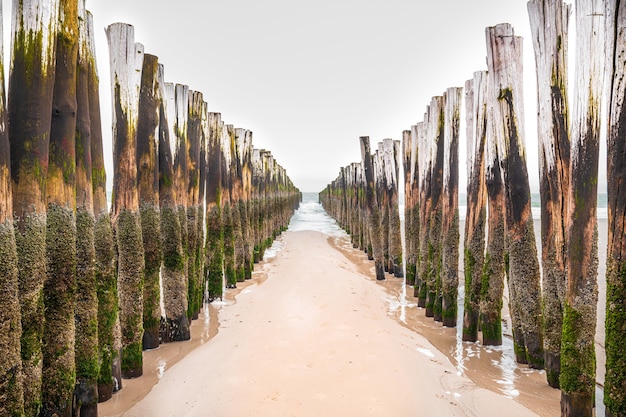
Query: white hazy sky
x=308, y=78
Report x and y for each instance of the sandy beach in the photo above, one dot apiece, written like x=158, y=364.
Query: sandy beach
x=313, y=334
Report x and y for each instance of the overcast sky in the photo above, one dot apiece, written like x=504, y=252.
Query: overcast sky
x=308, y=78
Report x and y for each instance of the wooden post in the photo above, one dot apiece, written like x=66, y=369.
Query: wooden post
x=494, y=268
x=435, y=132
x=382, y=204
x=194, y=136
x=549, y=21
x=411, y=203
x=504, y=61
x=148, y=189
x=450, y=210
x=615, y=379
x=126, y=59
x=31, y=85
x=236, y=135
x=577, y=378
x=476, y=217
x=59, y=369
x=11, y=388
x=215, y=237
x=424, y=164
x=110, y=377
x=86, y=313
x=227, y=210
x=391, y=161
x=244, y=204
x=372, y=212
x=173, y=277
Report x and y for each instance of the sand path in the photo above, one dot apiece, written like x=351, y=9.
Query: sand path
x=315, y=339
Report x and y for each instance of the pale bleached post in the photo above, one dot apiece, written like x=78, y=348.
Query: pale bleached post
x=494, y=268
x=578, y=376
x=549, y=23
x=615, y=379
x=86, y=312
x=31, y=85
x=504, y=61
x=11, y=364
x=106, y=281
x=173, y=269
x=425, y=174
x=395, y=236
x=372, y=212
x=450, y=209
x=126, y=60
x=245, y=149
x=148, y=189
x=476, y=215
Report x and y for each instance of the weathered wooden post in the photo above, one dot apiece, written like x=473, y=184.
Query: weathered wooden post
x=126, y=59
x=578, y=363
x=215, y=237
x=109, y=377
x=549, y=21
x=31, y=85
x=504, y=61
x=435, y=132
x=236, y=191
x=194, y=136
x=424, y=165
x=176, y=326
x=411, y=203
x=11, y=388
x=615, y=379
x=391, y=166
x=86, y=313
x=494, y=267
x=450, y=209
x=59, y=370
x=382, y=204
x=372, y=212
x=227, y=210
x=148, y=189
x=476, y=217
x=245, y=146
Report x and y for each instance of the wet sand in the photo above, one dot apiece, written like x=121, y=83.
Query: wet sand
x=320, y=337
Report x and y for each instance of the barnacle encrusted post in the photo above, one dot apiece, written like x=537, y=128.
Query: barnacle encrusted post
x=549, y=21
x=476, y=215
x=215, y=237
x=31, y=85
x=86, y=313
x=578, y=360
x=148, y=189
x=11, y=388
x=126, y=59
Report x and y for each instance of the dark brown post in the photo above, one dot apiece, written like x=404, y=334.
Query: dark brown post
x=411, y=203
x=215, y=237
x=126, y=59
x=59, y=370
x=372, y=212
x=11, y=388
x=148, y=189
x=424, y=165
x=615, y=379
x=31, y=85
x=230, y=241
x=86, y=313
x=578, y=364
x=450, y=212
x=173, y=270
x=504, y=61
x=549, y=21
x=476, y=217
x=110, y=377
x=391, y=162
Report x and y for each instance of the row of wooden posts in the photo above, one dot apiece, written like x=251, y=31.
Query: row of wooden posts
x=552, y=302
x=194, y=205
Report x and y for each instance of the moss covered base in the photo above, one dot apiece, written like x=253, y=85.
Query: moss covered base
x=491, y=328
x=175, y=330
x=470, y=325
x=151, y=236
x=553, y=368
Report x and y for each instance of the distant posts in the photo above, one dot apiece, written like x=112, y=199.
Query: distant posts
x=476, y=217
x=577, y=377
x=126, y=62
x=615, y=379
x=450, y=214
x=549, y=21
x=373, y=217
x=504, y=61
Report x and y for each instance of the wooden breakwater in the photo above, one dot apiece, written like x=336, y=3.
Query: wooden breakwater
x=194, y=206
x=554, y=317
